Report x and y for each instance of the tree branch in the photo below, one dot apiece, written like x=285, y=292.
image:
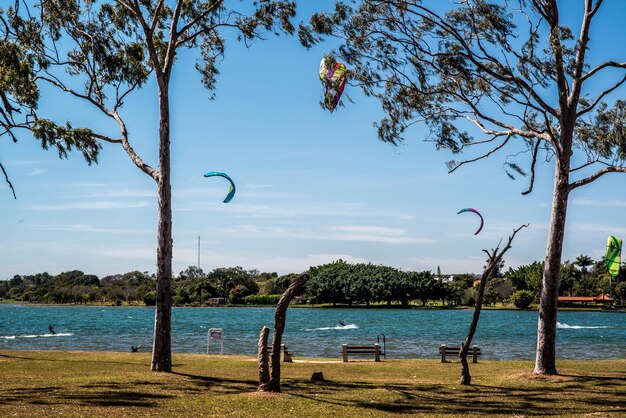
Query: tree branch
x=532, y=169
x=152, y=50
x=579, y=61
x=485, y=155
x=596, y=175
x=198, y=18
x=507, y=76
x=6, y=178
x=155, y=18
x=612, y=64
x=600, y=97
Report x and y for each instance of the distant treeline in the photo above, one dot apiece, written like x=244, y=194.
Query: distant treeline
x=337, y=283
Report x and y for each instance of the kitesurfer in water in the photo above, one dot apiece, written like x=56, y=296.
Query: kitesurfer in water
x=343, y=324
x=51, y=328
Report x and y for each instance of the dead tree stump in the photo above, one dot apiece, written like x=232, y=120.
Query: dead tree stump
x=280, y=316
x=264, y=371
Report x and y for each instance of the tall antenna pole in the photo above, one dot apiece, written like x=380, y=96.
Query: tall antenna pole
x=198, y=252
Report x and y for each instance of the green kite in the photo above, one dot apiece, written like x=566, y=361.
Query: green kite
x=612, y=257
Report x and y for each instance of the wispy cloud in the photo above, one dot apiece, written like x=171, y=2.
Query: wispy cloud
x=279, y=264
x=91, y=229
x=373, y=234
x=93, y=185
x=600, y=203
x=362, y=233
x=17, y=163
x=451, y=265
x=101, y=193
x=36, y=172
x=258, y=186
x=593, y=227
x=256, y=211
x=128, y=251
x=89, y=205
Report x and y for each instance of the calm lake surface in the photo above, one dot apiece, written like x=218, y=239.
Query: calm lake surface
x=311, y=332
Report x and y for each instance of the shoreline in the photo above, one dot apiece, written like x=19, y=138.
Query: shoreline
x=305, y=306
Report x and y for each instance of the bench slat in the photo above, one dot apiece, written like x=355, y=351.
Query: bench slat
x=361, y=349
x=444, y=350
x=457, y=350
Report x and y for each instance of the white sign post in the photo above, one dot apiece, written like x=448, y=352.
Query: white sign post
x=215, y=334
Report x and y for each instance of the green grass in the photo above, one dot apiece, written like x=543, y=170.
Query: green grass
x=71, y=383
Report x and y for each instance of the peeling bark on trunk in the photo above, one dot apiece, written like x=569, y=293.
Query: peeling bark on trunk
x=162, y=346
x=273, y=385
x=545, y=362
x=264, y=371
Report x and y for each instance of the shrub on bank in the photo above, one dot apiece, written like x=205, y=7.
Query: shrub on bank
x=522, y=298
x=261, y=299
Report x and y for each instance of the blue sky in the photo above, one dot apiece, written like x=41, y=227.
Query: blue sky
x=312, y=187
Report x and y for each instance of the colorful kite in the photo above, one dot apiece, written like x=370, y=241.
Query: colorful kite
x=333, y=75
x=612, y=257
x=477, y=213
x=231, y=192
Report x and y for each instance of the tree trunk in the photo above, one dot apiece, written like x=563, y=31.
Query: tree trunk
x=264, y=372
x=494, y=259
x=466, y=378
x=545, y=362
x=273, y=385
x=162, y=347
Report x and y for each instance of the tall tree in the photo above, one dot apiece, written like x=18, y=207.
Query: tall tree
x=101, y=52
x=584, y=261
x=491, y=74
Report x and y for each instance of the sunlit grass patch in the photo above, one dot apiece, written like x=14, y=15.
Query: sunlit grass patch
x=70, y=383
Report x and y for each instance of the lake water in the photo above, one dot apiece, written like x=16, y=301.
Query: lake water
x=311, y=332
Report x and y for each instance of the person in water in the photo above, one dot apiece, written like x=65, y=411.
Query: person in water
x=343, y=324
x=134, y=349
x=51, y=328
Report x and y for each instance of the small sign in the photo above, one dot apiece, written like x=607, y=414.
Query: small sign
x=215, y=334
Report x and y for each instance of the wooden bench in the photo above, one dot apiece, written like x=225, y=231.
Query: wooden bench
x=454, y=350
x=348, y=349
x=285, y=355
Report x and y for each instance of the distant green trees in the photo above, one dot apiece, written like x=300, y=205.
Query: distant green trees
x=336, y=283
x=191, y=287
x=583, y=277
x=363, y=284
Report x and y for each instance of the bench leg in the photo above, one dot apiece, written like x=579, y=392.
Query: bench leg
x=475, y=354
x=344, y=351
x=442, y=349
x=376, y=352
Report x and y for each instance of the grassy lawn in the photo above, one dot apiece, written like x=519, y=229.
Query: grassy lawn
x=72, y=383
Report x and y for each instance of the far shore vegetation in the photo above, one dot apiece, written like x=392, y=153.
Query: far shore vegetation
x=337, y=284
x=77, y=383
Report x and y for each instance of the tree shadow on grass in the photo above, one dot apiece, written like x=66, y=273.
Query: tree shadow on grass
x=127, y=398
x=224, y=386
x=17, y=395
x=468, y=400
x=107, y=394
x=17, y=357
x=67, y=358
